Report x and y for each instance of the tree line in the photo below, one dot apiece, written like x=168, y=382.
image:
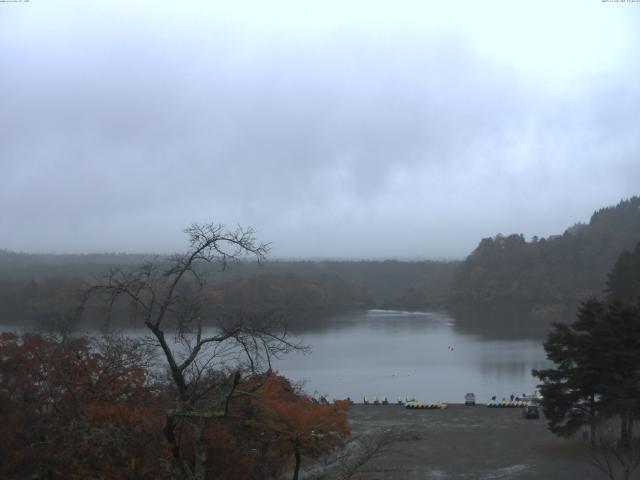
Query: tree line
x=559, y=269
x=38, y=288
x=502, y=270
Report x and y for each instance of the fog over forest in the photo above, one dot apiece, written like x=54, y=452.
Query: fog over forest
x=336, y=130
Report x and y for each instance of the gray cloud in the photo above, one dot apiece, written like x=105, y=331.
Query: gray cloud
x=355, y=142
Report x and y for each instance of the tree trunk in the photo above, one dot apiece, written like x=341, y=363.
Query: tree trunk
x=624, y=442
x=592, y=414
x=200, y=449
x=626, y=430
x=296, y=452
x=183, y=469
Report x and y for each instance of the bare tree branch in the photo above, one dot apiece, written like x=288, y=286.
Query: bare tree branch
x=168, y=294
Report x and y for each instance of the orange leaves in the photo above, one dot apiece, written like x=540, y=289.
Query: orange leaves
x=291, y=425
x=291, y=417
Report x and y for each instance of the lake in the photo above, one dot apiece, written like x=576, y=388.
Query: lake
x=423, y=355
x=431, y=356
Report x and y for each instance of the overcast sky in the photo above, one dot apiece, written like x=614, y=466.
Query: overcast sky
x=337, y=129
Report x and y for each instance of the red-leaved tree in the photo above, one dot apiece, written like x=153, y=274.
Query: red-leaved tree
x=77, y=409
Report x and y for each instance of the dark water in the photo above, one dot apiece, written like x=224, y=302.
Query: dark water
x=430, y=356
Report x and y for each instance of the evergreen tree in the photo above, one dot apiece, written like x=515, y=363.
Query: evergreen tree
x=572, y=391
x=619, y=339
x=597, y=371
x=623, y=283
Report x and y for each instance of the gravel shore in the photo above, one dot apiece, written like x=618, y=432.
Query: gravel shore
x=464, y=442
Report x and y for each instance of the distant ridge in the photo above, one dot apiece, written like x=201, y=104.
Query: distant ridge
x=559, y=269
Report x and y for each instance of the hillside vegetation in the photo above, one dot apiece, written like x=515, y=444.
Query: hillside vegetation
x=536, y=275
x=38, y=289
x=544, y=271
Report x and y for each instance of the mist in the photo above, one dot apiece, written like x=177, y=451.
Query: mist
x=363, y=130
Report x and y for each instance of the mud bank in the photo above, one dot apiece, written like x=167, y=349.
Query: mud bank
x=474, y=443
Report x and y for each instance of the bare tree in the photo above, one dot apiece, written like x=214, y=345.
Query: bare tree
x=615, y=458
x=355, y=459
x=205, y=365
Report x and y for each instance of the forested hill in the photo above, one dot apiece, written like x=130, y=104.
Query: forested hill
x=38, y=288
x=559, y=269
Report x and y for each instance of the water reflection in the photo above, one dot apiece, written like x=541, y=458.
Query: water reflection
x=427, y=355
x=516, y=322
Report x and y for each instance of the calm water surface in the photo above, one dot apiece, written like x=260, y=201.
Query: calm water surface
x=378, y=353
x=427, y=355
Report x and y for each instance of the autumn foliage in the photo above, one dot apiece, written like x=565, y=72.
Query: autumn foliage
x=294, y=425
x=90, y=409
x=76, y=409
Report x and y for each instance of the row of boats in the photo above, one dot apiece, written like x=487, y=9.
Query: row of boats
x=507, y=404
x=385, y=401
x=426, y=406
x=413, y=403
